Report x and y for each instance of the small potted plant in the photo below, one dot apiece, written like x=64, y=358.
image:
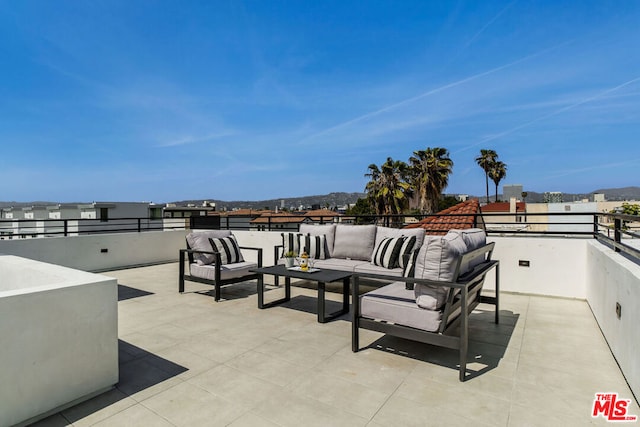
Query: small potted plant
x=289, y=258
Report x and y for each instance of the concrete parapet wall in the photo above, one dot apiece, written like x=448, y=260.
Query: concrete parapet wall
x=556, y=265
x=59, y=338
x=612, y=279
x=87, y=252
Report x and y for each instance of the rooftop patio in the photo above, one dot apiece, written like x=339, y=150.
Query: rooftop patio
x=187, y=360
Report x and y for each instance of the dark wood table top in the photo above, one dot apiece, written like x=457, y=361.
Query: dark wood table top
x=322, y=275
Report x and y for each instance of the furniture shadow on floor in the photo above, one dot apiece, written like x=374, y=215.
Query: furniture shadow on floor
x=487, y=344
x=140, y=372
x=127, y=292
x=309, y=304
x=230, y=292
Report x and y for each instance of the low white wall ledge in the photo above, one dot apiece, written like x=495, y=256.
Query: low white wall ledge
x=59, y=338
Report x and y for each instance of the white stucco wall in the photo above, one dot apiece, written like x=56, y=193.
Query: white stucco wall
x=59, y=337
x=557, y=266
x=264, y=239
x=612, y=279
x=85, y=252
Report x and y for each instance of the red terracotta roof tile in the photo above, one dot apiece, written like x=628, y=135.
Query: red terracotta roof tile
x=280, y=218
x=443, y=221
x=502, y=207
x=317, y=214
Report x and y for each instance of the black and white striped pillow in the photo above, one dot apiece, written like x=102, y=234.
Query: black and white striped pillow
x=315, y=246
x=291, y=242
x=388, y=251
x=407, y=249
x=228, y=248
x=410, y=268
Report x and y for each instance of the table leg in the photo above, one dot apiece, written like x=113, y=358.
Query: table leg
x=261, y=292
x=322, y=316
x=287, y=294
x=321, y=303
x=345, y=295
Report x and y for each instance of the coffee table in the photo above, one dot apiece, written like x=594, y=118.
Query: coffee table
x=322, y=277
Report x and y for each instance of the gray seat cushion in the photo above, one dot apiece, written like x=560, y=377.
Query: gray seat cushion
x=368, y=267
x=337, y=264
x=227, y=271
x=394, y=303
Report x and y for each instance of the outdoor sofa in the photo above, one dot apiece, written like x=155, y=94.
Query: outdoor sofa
x=214, y=258
x=358, y=249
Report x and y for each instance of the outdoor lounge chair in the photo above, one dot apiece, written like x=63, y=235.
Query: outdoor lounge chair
x=438, y=314
x=215, y=259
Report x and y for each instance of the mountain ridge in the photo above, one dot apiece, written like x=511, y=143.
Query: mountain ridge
x=334, y=199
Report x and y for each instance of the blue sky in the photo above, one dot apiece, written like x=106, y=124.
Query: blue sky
x=249, y=100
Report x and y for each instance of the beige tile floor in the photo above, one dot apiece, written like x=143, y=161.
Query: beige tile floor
x=186, y=360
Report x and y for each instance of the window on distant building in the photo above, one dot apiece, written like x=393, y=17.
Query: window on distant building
x=156, y=213
x=104, y=214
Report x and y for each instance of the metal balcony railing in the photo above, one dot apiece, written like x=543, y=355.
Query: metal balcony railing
x=621, y=232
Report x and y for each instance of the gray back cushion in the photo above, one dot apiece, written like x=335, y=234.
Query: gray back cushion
x=474, y=238
x=354, y=241
x=328, y=230
x=437, y=260
x=199, y=241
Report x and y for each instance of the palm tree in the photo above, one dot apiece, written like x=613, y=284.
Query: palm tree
x=497, y=173
x=388, y=190
x=430, y=170
x=373, y=188
x=485, y=160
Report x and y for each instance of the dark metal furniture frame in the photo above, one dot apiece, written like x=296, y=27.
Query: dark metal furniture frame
x=321, y=277
x=218, y=282
x=463, y=296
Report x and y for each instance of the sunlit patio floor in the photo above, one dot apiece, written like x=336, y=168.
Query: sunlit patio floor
x=190, y=361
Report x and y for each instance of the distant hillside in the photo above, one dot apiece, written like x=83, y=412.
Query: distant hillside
x=340, y=199
x=625, y=193
x=331, y=200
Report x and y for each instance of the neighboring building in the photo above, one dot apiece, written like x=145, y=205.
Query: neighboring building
x=515, y=222
x=323, y=215
x=536, y=216
x=512, y=191
x=469, y=213
x=73, y=219
x=173, y=211
x=281, y=221
x=573, y=223
x=598, y=197
x=240, y=219
x=552, y=197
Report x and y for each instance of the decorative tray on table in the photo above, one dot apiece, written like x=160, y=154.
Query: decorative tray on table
x=309, y=270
